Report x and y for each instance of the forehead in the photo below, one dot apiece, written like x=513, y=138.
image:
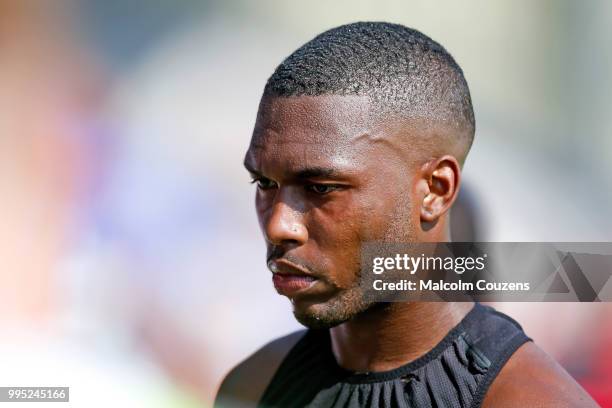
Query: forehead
x=314, y=130
x=321, y=119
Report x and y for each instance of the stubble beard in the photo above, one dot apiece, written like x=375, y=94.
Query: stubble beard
x=339, y=309
x=353, y=301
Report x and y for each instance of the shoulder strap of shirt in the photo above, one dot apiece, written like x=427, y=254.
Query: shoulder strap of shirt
x=497, y=337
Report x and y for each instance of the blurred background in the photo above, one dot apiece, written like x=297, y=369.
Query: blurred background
x=133, y=269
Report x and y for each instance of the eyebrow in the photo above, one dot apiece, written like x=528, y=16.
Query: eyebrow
x=304, y=173
x=314, y=172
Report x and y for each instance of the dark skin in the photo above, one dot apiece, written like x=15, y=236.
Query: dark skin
x=333, y=173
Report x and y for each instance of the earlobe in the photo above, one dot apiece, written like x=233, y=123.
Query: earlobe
x=427, y=213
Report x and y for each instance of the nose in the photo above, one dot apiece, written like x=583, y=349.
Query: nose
x=285, y=225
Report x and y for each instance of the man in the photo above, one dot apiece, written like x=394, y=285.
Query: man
x=361, y=135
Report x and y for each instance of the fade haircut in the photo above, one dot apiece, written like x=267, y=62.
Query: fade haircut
x=401, y=70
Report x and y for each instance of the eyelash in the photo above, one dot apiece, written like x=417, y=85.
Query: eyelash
x=333, y=187
x=310, y=187
x=258, y=180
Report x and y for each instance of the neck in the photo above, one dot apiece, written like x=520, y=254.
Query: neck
x=391, y=335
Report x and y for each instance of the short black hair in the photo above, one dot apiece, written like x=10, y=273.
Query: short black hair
x=400, y=68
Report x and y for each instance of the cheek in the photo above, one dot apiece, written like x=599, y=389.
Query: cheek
x=388, y=215
x=337, y=234
x=333, y=224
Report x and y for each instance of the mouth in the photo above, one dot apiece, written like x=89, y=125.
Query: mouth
x=290, y=279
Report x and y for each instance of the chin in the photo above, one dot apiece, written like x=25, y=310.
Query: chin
x=331, y=313
x=316, y=320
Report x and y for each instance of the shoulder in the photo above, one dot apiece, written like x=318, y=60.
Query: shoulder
x=531, y=378
x=244, y=385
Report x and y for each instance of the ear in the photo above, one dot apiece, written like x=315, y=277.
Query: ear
x=439, y=187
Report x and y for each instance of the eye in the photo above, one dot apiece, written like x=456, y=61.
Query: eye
x=264, y=183
x=322, y=189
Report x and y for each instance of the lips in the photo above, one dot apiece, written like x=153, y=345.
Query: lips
x=289, y=279
x=290, y=284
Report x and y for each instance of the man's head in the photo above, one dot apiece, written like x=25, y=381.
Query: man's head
x=360, y=136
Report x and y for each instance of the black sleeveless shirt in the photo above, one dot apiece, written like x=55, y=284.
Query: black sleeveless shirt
x=457, y=372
